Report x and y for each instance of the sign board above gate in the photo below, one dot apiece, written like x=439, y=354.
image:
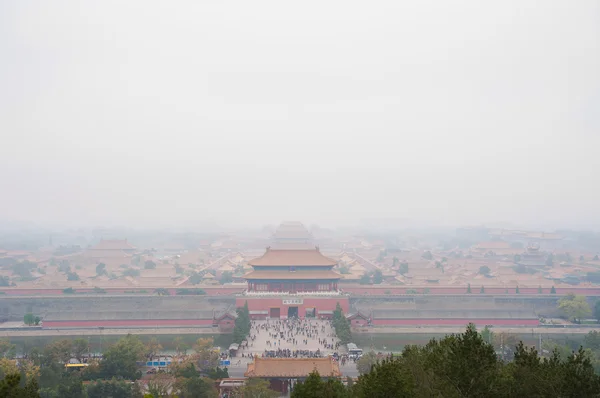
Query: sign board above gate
x=292, y=301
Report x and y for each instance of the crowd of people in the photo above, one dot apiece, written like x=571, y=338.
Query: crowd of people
x=309, y=338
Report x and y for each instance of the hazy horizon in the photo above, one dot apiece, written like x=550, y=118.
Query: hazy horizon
x=244, y=114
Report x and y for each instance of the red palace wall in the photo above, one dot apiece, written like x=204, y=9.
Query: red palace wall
x=373, y=290
x=127, y=323
x=321, y=304
x=455, y=322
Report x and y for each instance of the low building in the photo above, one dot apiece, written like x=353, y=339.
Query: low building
x=284, y=373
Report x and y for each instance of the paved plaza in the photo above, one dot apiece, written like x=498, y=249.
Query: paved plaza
x=304, y=335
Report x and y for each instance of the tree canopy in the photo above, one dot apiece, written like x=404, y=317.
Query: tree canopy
x=575, y=307
x=465, y=365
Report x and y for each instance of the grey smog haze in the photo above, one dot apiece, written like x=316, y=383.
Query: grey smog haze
x=245, y=112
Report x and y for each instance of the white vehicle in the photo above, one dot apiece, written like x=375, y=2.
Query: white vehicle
x=354, y=351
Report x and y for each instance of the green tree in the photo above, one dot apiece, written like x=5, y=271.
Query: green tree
x=365, y=362
x=149, y=264
x=113, y=389
x=597, y=311
x=365, y=279
x=79, y=348
x=403, y=268
x=553, y=290
x=341, y=325
x=484, y=270
x=226, y=277
x=315, y=387
x=469, y=288
x=120, y=359
x=7, y=349
x=427, y=255
x=196, y=387
x=10, y=387
x=575, y=307
x=101, y=269
x=242, y=324
x=257, y=388
x=29, y=319
x=517, y=290
x=482, y=290
x=377, y=277
x=550, y=260
x=72, y=276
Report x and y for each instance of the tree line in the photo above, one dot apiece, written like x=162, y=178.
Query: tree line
x=464, y=365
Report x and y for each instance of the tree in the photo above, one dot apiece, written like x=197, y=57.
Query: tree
x=153, y=348
x=517, y=290
x=4, y=281
x=344, y=270
x=484, y=270
x=482, y=290
x=315, y=387
x=365, y=279
x=377, y=277
x=341, y=325
x=7, y=349
x=592, y=340
x=365, y=362
x=196, y=387
x=596, y=258
x=69, y=290
x=581, y=259
x=226, y=277
x=553, y=290
x=550, y=260
x=575, y=307
x=180, y=346
x=149, y=264
x=79, y=348
x=469, y=288
x=597, y=311
x=242, y=324
x=10, y=387
x=403, y=268
x=72, y=276
x=257, y=388
x=120, y=360
x=427, y=255
x=114, y=389
x=160, y=385
x=29, y=319
x=58, y=351
x=101, y=269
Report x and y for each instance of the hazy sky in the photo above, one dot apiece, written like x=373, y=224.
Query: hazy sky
x=251, y=112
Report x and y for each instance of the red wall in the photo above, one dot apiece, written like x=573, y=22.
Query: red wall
x=455, y=322
x=373, y=290
x=126, y=323
x=321, y=304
